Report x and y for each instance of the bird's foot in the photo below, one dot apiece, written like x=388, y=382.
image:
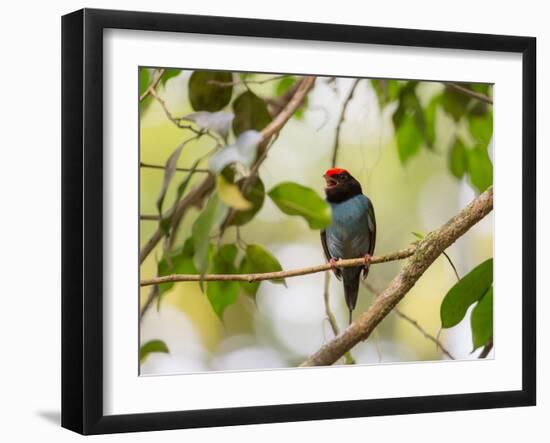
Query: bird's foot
x=332, y=262
x=368, y=259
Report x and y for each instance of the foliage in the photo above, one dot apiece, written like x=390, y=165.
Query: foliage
x=232, y=110
x=416, y=126
x=296, y=199
x=150, y=347
x=208, y=90
x=250, y=113
x=474, y=288
x=257, y=260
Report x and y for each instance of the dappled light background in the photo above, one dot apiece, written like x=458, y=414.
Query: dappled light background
x=284, y=325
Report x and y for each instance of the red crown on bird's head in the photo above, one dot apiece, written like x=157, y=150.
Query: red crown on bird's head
x=335, y=171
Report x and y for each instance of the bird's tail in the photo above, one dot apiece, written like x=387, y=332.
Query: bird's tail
x=351, y=277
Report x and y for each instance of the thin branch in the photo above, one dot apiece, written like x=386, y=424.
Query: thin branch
x=178, y=121
x=425, y=333
x=148, y=217
x=470, y=93
x=452, y=265
x=341, y=120
x=149, y=165
x=431, y=247
x=413, y=323
x=486, y=350
x=153, y=85
x=246, y=82
x=344, y=263
x=332, y=319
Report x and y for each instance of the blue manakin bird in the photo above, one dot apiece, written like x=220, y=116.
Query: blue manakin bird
x=352, y=232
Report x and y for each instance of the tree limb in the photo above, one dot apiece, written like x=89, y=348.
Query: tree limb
x=341, y=120
x=427, y=251
x=347, y=263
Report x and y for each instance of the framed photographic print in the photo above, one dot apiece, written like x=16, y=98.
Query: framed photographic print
x=270, y=221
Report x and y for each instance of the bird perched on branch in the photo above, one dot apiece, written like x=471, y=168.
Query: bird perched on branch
x=352, y=232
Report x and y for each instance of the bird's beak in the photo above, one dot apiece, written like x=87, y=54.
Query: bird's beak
x=330, y=182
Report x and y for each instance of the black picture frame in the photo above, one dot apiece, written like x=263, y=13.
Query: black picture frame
x=82, y=219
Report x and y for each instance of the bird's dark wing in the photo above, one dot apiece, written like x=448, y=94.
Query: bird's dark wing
x=337, y=271
x=372, y=228
x=371, y=220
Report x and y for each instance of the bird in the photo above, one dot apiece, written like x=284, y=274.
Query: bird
x=351, y=233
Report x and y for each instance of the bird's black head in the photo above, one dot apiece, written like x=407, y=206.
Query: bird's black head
x=340, y=185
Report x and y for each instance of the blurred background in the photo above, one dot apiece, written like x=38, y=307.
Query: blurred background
x=415, y=187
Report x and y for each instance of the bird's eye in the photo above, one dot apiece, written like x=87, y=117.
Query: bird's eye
x=343, y=177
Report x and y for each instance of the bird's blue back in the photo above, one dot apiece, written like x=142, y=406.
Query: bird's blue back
x=349, y=234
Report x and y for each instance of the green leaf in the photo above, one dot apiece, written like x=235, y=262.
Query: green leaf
x=429, y=118
x=295, y=199
x=250, y=113
x=481, y=128
x=418, y=235
x=243, y=151
x=409, y=139
x=480, y=168
x=465, y=292
x=255, y=194
x=145, y=78
x=178, y=261
x=246, y=268
x=204, y=92
x=222, y=294
x=409, y=105
x=387, y=90
x=458, y=159
x=284, y=85
x=150, y=347
x=168, y=74
x=258, y=260
x=481, y=320
x=231, y=195
x=210, y=217
x=454, y=102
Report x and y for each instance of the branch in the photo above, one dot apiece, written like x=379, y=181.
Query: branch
x=414, y=324
x=153, y=85
x=470, y=93
x=149, y=165
x=427, y=251
x=425, y=333
x=341, y=120
x=246, y=82
x=149, y=217
x=486, y=350
x=306, y=84
x=347, y=263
